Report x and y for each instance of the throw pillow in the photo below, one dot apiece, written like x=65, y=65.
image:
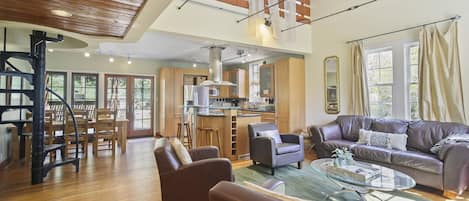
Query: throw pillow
x=181, y=151
x=270, y=193
x=398, y=141
x=378, y=139
x=394, y=140
x=363, y=136
x=272, y=134
x=452, y=139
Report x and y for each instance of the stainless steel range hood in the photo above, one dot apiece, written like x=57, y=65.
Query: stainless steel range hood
x=215, y=72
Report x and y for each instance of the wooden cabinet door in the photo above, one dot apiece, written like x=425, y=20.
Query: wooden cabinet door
x=266, y=80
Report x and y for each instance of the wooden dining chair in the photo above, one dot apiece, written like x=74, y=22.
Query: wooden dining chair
x=105, y=130
x=48, y=134
x=81, y=117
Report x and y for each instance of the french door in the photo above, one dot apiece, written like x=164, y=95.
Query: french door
x=132, y=97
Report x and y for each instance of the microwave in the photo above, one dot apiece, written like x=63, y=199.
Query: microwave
x=213, y=91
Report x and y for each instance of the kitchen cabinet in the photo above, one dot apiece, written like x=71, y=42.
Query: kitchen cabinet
x=266, y=80
x=238, y=77
x=290, y=103
x=171, y=97
x=233, y=132
x=265, y=116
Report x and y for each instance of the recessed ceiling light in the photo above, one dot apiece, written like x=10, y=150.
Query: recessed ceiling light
x=50, y=50
x=249, y=55
x=111, y=59
x=129, y=61
x=61, y=13
x=87, y=54
x=194, y=65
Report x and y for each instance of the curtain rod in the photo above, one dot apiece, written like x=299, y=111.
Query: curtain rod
x=330, y=15
x=182, y=5
x=457, y=17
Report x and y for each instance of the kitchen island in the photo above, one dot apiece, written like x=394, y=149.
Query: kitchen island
x=232, y=129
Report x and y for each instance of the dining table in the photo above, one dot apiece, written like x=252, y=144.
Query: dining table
x=22, y=144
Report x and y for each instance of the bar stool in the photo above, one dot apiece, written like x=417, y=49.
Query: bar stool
x=187, y=135
x=209, y=132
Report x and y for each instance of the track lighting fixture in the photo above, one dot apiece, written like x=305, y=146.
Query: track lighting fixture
x=267, y=22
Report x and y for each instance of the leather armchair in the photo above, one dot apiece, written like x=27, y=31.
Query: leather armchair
x=192, y=181
x=265, y=151
x=226, y=191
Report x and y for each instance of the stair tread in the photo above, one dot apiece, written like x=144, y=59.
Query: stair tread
x=16, y=90
x=15, y=121
x=52, y=147
x=15, y=106
x=15, y=73
x=61, y=162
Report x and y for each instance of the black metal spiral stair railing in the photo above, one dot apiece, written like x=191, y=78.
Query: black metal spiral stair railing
x=36, y=58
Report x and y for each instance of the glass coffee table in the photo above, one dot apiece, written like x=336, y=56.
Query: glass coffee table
x=387, y=179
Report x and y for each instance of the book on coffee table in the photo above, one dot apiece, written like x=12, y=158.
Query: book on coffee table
x=357, y=172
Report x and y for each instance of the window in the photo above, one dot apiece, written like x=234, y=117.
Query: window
x=412, y=58
x=393, y=75
x=254, y=88
x=57, y=81
x=85, y=92
x=379, y=66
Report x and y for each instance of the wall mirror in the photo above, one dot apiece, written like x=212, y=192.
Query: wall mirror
x=332, y=85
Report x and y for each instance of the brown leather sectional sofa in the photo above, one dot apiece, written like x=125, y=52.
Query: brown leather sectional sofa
x=448, y=170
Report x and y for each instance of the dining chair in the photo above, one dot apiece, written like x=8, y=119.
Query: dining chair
x=81, y=118
x=105, y=130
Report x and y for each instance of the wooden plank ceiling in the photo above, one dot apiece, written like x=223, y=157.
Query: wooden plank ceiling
x=302, y=8
x=111, y=18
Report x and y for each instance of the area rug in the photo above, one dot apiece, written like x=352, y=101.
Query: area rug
x=309, y=184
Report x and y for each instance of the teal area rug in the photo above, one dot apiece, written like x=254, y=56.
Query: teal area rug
x=309, y=184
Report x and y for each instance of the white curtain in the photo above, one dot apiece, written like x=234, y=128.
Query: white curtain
x=360, y=101
x=275, y=18
x=290, y=18
x=440, y=85
x=255, y=21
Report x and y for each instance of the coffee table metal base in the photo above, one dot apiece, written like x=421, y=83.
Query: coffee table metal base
x=348, y=188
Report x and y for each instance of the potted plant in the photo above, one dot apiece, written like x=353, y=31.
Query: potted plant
x=342, y=157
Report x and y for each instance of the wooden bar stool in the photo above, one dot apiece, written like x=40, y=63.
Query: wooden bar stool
x=209, y=132
x=187, y=135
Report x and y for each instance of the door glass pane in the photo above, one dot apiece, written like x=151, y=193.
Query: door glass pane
x=84, y=92
x=142, y=103
x=116, y=97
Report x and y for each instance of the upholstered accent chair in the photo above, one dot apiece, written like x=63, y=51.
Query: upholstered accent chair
x=274, y=151
x=191, y=181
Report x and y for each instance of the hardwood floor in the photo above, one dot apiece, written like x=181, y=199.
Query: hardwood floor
x=131, y=176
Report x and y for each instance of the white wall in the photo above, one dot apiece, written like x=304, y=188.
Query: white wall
x=329, y=37
x=205, y=22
